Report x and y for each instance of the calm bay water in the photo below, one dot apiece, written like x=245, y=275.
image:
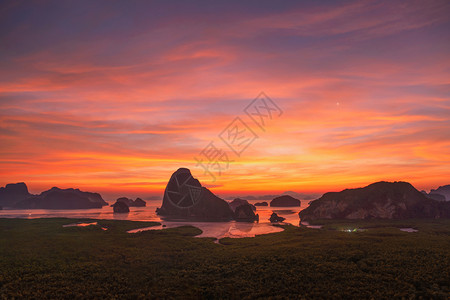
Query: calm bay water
x=210, y=229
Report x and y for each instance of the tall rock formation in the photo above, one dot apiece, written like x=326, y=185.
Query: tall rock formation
x=13, y=193
x=185, y=198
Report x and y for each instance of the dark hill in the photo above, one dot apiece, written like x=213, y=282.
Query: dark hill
x=238, y=202
x=131, y=203
x=284, y=200
x=381, y=200
x=243, y=211
x=57, y=198
x=13, y=193
x=120, y=207
x=185, y=198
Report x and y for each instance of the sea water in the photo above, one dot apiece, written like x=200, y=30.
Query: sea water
x=210, y=229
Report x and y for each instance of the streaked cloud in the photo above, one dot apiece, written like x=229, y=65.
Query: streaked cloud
x=115, y=97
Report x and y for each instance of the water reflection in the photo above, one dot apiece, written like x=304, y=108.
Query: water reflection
x=84, y=225
x=284, y=211
x=244, y=226
x=81, y=224
x=210, y=229
x=220, y=230
x=306, y=224
x=409, y=229
x=121, y=216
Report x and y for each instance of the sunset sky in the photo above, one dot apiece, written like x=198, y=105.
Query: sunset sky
x=114, y=96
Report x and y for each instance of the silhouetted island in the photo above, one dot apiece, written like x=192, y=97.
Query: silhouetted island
x=13, y=193
x=243, y=211
x=185, y=197
x=271, y=196
x=274, y=218
x=17, y=196
x=238, y=202
x=131, y=203
x=381, y=200
x=120, y=207
x=284, y=200
x=57, y=198
x=139, y=203
x=261, y=203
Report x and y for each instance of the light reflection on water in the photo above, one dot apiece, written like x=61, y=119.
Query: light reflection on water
x=84, y=225
x=210, y=229
x=305, y=223
x=81, y=224
x=408, y=229
x=220, y=230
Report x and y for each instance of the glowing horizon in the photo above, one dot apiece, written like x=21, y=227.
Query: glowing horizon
x=115, y=97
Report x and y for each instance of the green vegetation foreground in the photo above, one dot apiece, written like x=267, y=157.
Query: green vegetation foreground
x=41, y=259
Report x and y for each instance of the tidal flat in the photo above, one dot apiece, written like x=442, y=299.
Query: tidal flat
x=41, y=259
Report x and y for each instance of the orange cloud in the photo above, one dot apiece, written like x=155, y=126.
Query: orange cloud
x=363, y=87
